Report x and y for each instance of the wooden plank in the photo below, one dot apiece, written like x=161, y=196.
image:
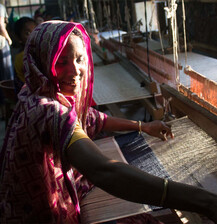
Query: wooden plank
x=161, y=69
x=156, y=110
x=202, y=86
x=194, y=97
x=199, y=115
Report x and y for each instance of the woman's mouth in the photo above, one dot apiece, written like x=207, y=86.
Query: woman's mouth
x=69, y=83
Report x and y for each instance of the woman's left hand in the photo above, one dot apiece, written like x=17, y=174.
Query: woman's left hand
x=158, y=129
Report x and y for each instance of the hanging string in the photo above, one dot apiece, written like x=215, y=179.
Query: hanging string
x=78, y=11
x=160, y=36
x=92, y=15
x=161, y=44
x=86, y=13
x=118, y=20
x=127, y=19
x=184, y=31
x=105, y=10
x=171, y=14
x=147, y=47
x=100, y=15
x=151, y=19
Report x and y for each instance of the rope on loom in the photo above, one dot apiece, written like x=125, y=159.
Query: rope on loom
x=100, y=15
x=171, y=14
x=127, y=19
x=77, y=9
x=151, y=19
x=105, y=10
x=184, y=30
x=147, y=47
x=86, y=14
x=119, y=22
x=92, y=14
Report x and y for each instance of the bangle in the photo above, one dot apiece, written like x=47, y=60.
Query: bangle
x=164, y=192
x=140, y=127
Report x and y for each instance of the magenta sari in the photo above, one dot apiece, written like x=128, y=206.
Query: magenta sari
x=37, y=185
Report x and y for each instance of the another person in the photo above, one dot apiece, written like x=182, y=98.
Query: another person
x=6, y=67
x=39, y=15
x=49, y=161
x=22, y=29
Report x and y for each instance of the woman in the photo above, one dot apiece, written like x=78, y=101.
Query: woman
x=48, y=140
x=6, y=71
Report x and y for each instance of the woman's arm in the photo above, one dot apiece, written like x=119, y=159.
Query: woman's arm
x=156, y=128
x=132, y=184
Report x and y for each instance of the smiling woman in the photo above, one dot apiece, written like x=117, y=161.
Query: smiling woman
x=71, y=66
x=49, y=161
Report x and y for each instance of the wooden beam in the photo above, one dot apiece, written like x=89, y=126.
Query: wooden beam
x=192, y=96
x=156, y=110
x=199, y=115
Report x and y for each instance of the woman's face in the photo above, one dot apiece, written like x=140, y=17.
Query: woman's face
x=71, y=66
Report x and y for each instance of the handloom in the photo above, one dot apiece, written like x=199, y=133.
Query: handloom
x=114, y=84
x=189, y=158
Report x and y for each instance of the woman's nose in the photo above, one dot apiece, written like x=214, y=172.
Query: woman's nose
x=76, y=69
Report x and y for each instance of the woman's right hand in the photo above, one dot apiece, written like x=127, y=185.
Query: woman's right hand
x=213, y=212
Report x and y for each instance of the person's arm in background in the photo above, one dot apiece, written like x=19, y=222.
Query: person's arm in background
x=3, y=30
x=130, y=183
x=155, y=128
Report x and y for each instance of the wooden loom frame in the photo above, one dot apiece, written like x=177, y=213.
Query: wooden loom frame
x=182, y=105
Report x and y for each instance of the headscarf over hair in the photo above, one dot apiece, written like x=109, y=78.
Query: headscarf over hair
x=39, y=132
x=46, y=43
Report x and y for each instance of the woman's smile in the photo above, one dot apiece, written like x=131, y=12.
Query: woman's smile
x=69, y=83
x=71, y=66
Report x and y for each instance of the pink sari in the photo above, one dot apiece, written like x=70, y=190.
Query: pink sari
x=37, y=185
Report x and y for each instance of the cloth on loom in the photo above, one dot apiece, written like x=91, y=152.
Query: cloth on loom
x=190, y=156
x=138, y=153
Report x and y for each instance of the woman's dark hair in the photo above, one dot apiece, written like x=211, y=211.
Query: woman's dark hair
x=78, y=33
x=20, y=23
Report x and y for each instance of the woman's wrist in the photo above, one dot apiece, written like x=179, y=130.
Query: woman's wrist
x=144, y=127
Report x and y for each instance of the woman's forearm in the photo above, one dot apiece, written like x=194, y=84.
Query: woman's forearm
x=130, y=183
x=155, y=128
x=120, y=124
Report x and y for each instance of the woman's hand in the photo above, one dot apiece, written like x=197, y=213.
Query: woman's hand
x=212, y=213
x=158, y=129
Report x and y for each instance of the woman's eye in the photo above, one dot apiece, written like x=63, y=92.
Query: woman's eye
x=80, y=59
